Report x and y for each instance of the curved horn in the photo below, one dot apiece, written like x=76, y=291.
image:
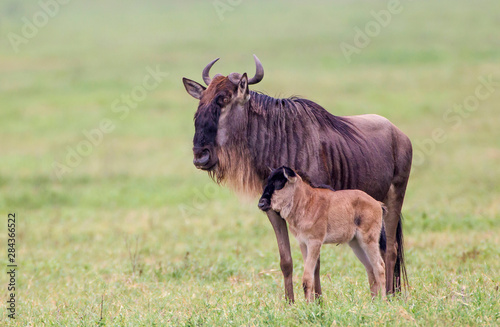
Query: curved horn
x=259, y=72
x=206, y=71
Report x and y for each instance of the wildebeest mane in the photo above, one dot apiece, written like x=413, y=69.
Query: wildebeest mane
x=265, y=104
x=278, y=128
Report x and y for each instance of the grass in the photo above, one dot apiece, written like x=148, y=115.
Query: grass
x=135, y=234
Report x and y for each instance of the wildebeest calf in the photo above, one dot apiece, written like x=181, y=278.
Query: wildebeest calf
x=318, y=215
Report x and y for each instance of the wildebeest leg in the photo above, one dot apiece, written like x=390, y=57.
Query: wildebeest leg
x=378, y=267
x=394, y=203
x=313, y=250
x=360, y=253
x=303, y=250
x=286, y=263
x=372, y=252
x=317, y=282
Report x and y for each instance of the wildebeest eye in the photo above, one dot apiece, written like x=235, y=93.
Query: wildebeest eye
x=222, y=100
x=279, y=184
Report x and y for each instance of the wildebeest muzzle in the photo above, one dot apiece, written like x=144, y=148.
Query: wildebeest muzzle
x=203, y=158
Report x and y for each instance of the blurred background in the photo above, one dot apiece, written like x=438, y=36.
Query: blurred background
x=96, y=134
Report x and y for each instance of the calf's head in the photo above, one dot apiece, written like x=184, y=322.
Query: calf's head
x=225, y=97
x=281, y=179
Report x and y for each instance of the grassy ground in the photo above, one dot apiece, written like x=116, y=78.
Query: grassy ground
x=134, y=233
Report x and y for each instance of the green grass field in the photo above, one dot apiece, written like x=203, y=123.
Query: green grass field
x=133, y=233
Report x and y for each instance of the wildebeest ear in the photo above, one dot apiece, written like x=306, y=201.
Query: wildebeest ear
x=193, y=88
x=290, y=176
x=243, y=91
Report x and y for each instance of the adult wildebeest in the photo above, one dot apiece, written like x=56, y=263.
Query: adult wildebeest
x=318, y=215
x=240, y=134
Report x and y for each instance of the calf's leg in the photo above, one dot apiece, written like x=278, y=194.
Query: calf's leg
x=286, y=263
x=317, y=283
x=368, y=241
x=303, y=250
x=360, y=253
x=313, y=250
x=378, y=267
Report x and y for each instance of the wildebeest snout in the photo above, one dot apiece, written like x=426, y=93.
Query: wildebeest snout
x=264, y=204
x=202, y=158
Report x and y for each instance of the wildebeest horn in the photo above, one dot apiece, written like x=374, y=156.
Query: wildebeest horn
x=206, y=71
x=259, y=72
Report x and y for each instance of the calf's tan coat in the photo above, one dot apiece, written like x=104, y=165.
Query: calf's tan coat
x=319, y=215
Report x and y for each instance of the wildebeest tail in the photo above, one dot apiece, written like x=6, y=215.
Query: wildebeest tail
x=400, y=268
x=382, y=239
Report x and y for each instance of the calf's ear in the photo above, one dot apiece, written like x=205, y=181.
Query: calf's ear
x=291, y=176
x=193, y=88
